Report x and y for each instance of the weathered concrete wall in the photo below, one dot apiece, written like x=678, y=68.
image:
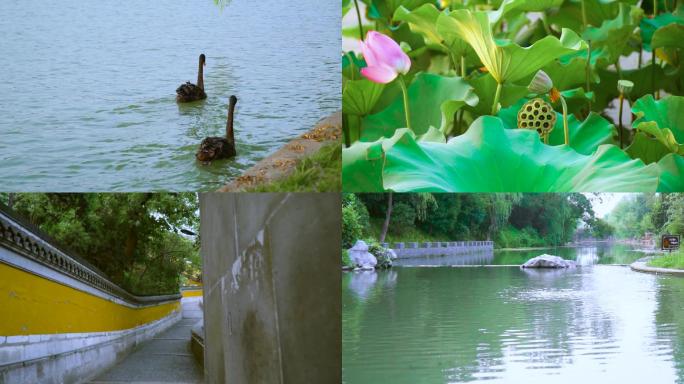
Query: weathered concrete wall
x=272, y=287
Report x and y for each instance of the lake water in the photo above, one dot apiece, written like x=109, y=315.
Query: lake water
x=596, y=323
x=88, y=88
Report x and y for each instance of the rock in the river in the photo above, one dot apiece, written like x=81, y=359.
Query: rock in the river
x=359, y=256
x=548, y=261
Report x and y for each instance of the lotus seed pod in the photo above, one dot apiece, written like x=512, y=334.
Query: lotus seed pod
x=625, y=86
x=541, y=83
x=537, y=114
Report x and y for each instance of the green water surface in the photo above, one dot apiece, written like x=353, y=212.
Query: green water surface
x=593, y=324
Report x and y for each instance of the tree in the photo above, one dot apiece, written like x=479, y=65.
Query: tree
x=132, y=237
x=388, y=215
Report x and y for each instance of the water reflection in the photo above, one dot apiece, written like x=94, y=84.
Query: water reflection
x=507, y=325
x=584, y=255
x=476, y=258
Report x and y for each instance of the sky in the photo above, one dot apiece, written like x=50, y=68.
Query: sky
x=604, y=203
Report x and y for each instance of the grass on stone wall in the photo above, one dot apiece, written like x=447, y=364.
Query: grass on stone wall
x=320, y=172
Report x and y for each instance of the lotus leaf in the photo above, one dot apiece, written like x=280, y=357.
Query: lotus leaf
x=506, y=61
x=585, y=136
x=434, y=98
x=490, y=158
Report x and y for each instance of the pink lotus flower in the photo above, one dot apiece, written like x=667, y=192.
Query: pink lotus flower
x=384, y=57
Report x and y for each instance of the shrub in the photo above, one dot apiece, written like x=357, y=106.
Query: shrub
x=346, y=260
x=382, y=254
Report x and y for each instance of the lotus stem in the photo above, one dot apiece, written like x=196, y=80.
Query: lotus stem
x=566, y=131
x=621, y=99
x=653, y=69
x=655, y=8
x=345, y=129
x=404, y=91
x=584, y=14
x=641, y=52
x=588, y=70
x=460, y=111
x=463, y=66
x=358, y=16
x=497, y=95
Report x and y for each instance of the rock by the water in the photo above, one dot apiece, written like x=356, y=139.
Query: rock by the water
x=548, y=261
x=359, y=256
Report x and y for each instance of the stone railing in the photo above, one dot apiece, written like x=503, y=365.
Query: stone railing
x=413, y=249
x=28, y=241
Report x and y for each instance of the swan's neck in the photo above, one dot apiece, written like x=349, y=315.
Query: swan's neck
x=230, y=135
x=200, y=75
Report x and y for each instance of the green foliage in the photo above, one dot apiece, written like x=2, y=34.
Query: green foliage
x=490, y=158
x=639, y=214
x=346, y=260
x=381, y=254
x=133, y=237
x=470, y=58
x=511, y=237
x=403, y=215
x=510, y=219
x=449, y=94
x=355, y=220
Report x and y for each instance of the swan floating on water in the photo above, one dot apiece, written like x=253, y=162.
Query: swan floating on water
x=190, y=92
x=214, y=148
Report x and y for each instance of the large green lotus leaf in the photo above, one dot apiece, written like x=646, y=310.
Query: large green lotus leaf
x=664, y=135
x=490, y=158
x=385, y=9
x=646, y=148
x=509, y=6
x=422, y=20
x=666, y=113
x=359, y=96
x=433, y=100
x=570, y=74
x=609, y=40
x=585, y=136
x=362, y=165
x=671, y=174
x=577, y=100
x=485, y=88
x=648, y=26
x=671, y=36
x=570, y=14
x=506, y=61
x=452, y=40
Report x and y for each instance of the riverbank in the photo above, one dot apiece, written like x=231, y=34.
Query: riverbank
x=300, y=164
x=643, y=266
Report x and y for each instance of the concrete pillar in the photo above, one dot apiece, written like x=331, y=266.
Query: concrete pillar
x=272, y=287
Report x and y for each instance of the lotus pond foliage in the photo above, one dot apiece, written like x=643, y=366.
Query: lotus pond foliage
x=514, y=96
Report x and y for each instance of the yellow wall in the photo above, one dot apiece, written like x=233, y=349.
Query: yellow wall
x=191, y=292
x=32, y=305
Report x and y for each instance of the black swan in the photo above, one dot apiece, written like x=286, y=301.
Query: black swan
x=190, y=92
x=214, y=148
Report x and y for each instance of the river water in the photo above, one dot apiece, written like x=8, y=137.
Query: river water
x=595, y=323
x=88, y=88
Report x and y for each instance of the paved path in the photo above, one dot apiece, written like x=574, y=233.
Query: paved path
x=166, y=358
